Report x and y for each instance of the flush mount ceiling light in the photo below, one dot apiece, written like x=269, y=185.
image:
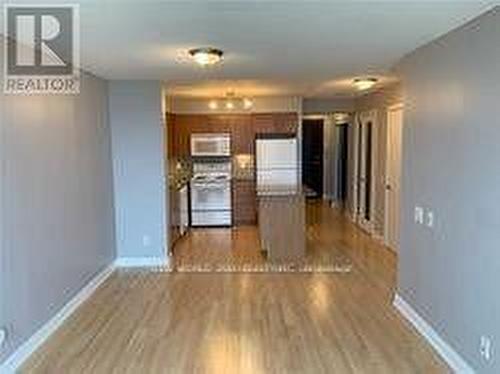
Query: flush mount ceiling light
x=206, y=56
x=363, y=84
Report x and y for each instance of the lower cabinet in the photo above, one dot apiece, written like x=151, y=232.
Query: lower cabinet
x=183, y=210
x=244, y=202
x=178, y=213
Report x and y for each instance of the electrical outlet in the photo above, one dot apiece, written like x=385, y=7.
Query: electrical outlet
x=430, y=218
x=146, y=240
x=485, y=347
x=419, y=215
x=3, y=336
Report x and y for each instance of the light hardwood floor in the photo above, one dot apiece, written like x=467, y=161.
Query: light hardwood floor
x=145, y=322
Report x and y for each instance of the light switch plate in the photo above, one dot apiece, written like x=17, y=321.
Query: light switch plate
x=430, y=218
x=419, y=215
x=146, y=241
x=3, y=336
x=485, y=347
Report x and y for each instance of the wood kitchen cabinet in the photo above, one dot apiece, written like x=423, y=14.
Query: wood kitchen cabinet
x=242, y=128
x=286, y=122
x=244, y=202
x=185, y=125
x=282, y=225
x=277, y=123
x=243, y=135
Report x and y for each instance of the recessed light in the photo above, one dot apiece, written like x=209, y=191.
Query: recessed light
x=363, y=84
x=213, y=105
x=229, y=105
x=247, y=103
x=206, y=56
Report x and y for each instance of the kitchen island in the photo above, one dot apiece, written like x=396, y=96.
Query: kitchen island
x=282, y=222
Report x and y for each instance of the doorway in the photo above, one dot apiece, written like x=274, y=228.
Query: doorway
x=364, y=166
x=342, y=162
x=393, y=176
x=312, y=155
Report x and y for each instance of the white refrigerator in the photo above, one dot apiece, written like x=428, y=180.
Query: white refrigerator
x=277, y=161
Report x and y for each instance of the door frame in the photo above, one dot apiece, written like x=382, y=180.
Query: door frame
x=320, y=117
x=391, y=108
x=362, y=118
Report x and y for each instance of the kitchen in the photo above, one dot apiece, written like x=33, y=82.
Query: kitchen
x=236, y=166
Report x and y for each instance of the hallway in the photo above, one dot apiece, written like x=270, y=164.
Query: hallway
x=142, y=321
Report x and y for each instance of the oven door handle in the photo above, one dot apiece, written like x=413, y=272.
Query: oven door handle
x=214, y=186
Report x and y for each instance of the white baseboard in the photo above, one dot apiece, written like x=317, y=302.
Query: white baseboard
x=21, y=354
x=134, y=262
x=452, y=358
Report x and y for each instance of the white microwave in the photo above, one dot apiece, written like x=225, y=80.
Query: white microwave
x=211, y=145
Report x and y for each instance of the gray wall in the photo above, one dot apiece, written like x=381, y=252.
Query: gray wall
x=450, y=274
x=320, y=106
x=139, y=168
x=56, y=202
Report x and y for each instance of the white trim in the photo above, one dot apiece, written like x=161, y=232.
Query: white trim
x=361, y=119
x=454, y=360
x=134, y=262
x=22, y=353
x=390, y=108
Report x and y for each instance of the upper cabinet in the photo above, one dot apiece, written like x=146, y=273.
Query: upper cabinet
x=242, y=134
x=242, y=128
x=278, y=123
x=184, y=125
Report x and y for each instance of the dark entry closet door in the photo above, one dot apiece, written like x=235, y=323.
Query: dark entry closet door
x=312, y=155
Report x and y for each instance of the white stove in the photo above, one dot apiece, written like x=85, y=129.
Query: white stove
x=211, y=194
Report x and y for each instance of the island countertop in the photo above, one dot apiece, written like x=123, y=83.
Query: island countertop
x=283, y=191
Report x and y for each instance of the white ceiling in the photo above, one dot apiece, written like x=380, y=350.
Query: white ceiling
x=313, y=49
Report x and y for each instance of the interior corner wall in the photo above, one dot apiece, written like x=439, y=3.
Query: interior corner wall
x=450, y=274
x=325, y=105
x=56, y=205
x=137, y=131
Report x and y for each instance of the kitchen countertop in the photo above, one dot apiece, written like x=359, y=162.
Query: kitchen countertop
x=177, y=184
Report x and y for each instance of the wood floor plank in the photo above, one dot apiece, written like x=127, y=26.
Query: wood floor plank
x=153, y=322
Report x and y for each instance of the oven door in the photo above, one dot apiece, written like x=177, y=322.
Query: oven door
x=211, y=196
x=210, y=145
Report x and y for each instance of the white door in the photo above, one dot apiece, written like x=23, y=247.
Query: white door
x=393, y=176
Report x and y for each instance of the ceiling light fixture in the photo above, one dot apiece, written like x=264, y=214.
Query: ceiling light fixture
x=231, y=102
x=247, y=103
x=363, y=84
x=206, y=56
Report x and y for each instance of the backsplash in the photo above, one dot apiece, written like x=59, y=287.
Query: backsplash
x=243, y=167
